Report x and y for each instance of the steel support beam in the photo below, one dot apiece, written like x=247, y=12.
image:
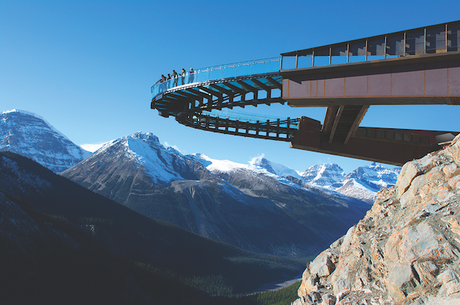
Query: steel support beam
x=373, y=144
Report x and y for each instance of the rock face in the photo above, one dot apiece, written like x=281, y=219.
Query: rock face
x=405, y=250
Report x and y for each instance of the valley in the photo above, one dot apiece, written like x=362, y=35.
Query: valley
x=212, y=227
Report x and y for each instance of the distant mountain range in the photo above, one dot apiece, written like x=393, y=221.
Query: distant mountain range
x=249, y=206
x=261, y=206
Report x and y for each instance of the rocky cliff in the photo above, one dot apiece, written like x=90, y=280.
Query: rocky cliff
x=405, y=250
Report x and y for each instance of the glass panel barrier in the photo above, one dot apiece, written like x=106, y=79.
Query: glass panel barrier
x=260, y=66
x=433, y=39
x=289, y=62
x=304, y=61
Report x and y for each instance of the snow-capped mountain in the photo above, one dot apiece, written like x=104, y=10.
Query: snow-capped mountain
x=246, y=205
x=260, y=163
x=374, y=176
x=260, y=206
x=365, y=181
x=144, y=150
x=326, y=175
x=362, y=183
x=31, y=136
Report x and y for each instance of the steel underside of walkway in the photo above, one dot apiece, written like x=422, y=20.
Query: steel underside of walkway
x=191, y=104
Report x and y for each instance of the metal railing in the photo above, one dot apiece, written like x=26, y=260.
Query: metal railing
x=440, y=38
x=247, y=117
x=278, y=130
x=259, y=66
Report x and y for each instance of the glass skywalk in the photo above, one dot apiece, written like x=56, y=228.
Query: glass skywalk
x=226, y=71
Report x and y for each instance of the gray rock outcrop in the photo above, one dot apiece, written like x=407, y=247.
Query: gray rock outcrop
x=405, y=250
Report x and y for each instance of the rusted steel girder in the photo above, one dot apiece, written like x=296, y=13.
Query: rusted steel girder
x=385, y=145
x=348, y=90
x=424, y=79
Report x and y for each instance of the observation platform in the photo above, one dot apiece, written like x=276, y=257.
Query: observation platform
x=417, y=66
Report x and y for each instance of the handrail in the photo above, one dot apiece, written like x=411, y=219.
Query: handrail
x=258, y=66
x=440, y=38
x=246, y=117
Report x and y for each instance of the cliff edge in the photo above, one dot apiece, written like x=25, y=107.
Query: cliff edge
x=405, y=250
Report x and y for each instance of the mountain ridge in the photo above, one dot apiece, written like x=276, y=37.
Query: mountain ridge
x=66, y=154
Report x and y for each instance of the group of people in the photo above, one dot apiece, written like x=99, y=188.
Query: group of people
x=172, y=80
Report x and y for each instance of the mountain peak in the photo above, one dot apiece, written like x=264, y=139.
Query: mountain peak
x=32, y=136
x=145, y=137
x=140, y=151
x=217, y=165
x=14, y=114
x=326, y=174
x=365, y=181
x=262, y=163
x=375, y=172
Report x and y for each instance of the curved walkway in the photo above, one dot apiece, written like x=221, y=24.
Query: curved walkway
x=197, y=104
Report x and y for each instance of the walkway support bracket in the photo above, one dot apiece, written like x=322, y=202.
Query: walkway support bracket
x=385, y=145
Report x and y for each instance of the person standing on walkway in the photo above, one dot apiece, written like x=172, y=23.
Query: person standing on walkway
x=191, y=76
x=168, y=84
x=175, y=76
x=182, y=76
x=163, y=83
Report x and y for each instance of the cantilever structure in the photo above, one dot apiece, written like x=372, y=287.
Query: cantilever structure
x=417, y=66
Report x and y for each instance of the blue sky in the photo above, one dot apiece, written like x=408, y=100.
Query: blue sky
x=87, y=66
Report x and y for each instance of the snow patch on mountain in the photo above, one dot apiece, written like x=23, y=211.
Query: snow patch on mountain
x=354, y=189
x=153, y=156
x=260, y=163
x=365, y=181
x=214, y=165
x=162, y=164
x=27, y=113
x=375, y=176
x=326, y=175
x=92, y=147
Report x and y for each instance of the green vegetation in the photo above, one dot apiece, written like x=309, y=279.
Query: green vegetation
x=284, y=296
